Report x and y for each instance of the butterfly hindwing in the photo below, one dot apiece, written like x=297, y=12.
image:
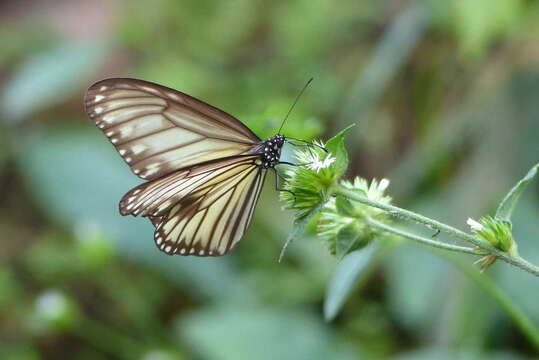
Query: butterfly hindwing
x=158, y=130
x=214, y=230
x=156, y=197
x=203, y=210
x=212, y=219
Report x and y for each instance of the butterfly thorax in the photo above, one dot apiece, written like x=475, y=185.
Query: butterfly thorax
x=270, y=152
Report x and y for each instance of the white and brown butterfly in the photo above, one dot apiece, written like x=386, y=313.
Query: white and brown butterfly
x=204, y=168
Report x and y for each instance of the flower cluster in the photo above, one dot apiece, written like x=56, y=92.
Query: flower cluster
x=309, y=183
x=349, y=215
x=310, y=188
x=342, y=221
x=494, y=231
x=497, y=233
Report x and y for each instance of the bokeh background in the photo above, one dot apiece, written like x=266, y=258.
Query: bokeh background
x=445, y=98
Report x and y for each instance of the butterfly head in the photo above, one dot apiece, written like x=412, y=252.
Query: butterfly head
x=271, y=151
x=278, y=140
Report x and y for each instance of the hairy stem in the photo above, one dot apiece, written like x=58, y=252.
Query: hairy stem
x=421, y=239
x=520, y=319
x=515, y=260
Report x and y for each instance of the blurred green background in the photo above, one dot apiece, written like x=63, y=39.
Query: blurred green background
x=446, y=98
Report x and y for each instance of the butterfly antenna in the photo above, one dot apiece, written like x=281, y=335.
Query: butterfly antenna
x=294, y=104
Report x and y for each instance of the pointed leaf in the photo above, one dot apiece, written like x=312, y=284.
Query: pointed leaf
x=507, y=205
x=335, y=146
x=263, y=333
x=344, y=279
x=299, y=228
x=347, y=238
x=344, y=207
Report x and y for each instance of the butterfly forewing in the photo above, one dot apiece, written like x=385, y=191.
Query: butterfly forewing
x=158, y=130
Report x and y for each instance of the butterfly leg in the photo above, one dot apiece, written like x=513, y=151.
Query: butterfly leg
x=286, y=163
x=309, y=148
x=292, y=164
x=278, y=188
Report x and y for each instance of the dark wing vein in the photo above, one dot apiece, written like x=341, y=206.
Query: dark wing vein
x=167, y=150
x=157, y=196
x=225, y=201
x=143, y=136
x=158, y=130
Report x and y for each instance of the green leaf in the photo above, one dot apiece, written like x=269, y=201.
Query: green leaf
x=300, y=226
x=19, y=351
x=507, y=205
x=335, y=146
x=10, y=288
x=477, y=29
x=344, y=279
x=347, y=237
x=253, y=332
x=517, y=284
x=344, y=207
x=440, y=352
x=411, y=273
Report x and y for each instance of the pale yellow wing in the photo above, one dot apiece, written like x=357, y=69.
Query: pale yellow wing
x=202, y=211
x=158, y=130
x=154, y=198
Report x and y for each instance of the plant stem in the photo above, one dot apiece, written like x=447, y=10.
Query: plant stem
x=515, y=313
x=515, y=260
x=421, y=239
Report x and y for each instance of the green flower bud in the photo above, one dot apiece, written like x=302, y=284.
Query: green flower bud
x=309, y=183
x=374, y=191
x=494, y=231
x=341, y=223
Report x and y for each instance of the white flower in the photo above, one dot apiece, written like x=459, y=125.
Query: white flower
x=373, y=191
x=474, y=225
x=316, y=164
x=384, y=183
x=312, y=157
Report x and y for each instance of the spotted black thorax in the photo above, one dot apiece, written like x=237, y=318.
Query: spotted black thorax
x=270, y=152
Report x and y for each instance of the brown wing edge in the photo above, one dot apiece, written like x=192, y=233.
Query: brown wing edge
x=258, y=190
x=199, y=104
x=122, y=204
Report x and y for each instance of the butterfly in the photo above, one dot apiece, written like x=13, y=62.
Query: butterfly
x=204, y=169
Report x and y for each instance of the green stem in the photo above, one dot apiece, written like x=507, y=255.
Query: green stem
x=514, y=312
x=421, y=239
x=515, y=260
